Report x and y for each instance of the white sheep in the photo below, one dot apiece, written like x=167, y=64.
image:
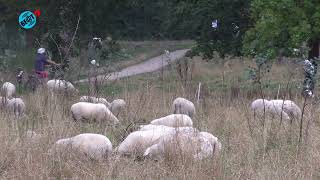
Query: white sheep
x=152, y=127
x=137, y=142
x=117, y=106
x=183, y=106
x=56, y=85
x=181, y=143
x=263, y=106
x=289, y=107
x=17, y=106
x=8, y=89
x=174, y=120
x=91, y=111
x=96, y=146
x=216, y=144
x=95, y=100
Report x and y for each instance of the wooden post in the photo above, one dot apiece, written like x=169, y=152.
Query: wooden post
x=199, y=90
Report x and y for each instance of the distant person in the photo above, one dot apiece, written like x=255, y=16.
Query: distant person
x=42, y=60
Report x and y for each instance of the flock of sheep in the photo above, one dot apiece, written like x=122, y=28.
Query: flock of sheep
x=171, y=135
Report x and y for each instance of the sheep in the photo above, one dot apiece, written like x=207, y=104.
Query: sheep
x=263, y=106
x=96, y=146
x=289, y=107
x=137, y=142
x=117, y=106
x=57, y=85
x=90, y=111
x=216, y=144
x=8, y=89
x=183, y=106
x=17, y=106
x=174, y=120
x=95, y=100
x=181, y=143
x=152, y=127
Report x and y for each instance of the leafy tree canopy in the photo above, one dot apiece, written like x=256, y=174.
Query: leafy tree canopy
x=280, y=26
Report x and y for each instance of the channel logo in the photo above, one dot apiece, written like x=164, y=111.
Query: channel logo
x=28, y=19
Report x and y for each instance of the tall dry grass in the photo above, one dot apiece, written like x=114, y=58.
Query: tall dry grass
x=229, y=118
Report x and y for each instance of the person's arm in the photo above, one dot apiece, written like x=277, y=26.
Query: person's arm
x=51, y=62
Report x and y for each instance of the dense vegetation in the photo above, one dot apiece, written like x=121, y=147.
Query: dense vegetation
x=250, y=27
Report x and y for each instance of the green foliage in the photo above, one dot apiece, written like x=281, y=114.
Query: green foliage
x=281, y=26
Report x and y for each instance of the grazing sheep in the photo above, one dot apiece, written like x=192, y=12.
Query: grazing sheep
x=181, y=144
x=57, y=85
x=174, y=120
x=263, y=106
x=289, y=107
x=17, y=106
x=152, y=127
x=90, y=111
x=8, y=89
x=95, y=100
x=183, y=106
x=117, y=106
x=216, y=144
x=137, y=142
x=95, y=146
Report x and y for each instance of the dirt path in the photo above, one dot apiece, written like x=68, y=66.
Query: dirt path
x=150, y=65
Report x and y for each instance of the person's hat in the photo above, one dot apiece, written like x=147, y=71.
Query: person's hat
x=41, y=50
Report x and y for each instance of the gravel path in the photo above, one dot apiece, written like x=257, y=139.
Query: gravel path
x=150, y=65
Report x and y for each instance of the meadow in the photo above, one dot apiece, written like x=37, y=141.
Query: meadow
x=223, y=109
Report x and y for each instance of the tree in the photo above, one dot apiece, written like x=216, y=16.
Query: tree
x=233, y=20
x=280, y=26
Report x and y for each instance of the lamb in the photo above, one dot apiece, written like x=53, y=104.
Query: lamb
x=174, y=120
x=117, y=106
x=289, y=107
x=90, y=111
x=95, y=146
x=183, y=106
x=95, y=100
x=17, y=106
x=261, y=106
x=8, y=89
x=57, y=85
x=182, y=143
x=137, y=142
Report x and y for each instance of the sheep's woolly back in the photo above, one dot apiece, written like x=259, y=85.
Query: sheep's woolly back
x=289, y=107
x=17, y=106
x=57, y=85
x=213, y=141
x=117, y=106
x=95, y=100
x=174, y=120
x=137, y=142
x=8, y=89
x=263, y=106
x=96, y=146
x=181, y=143
x=89, y=111
x=183, y=106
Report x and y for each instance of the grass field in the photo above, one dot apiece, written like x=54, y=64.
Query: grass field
x=223, y=110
